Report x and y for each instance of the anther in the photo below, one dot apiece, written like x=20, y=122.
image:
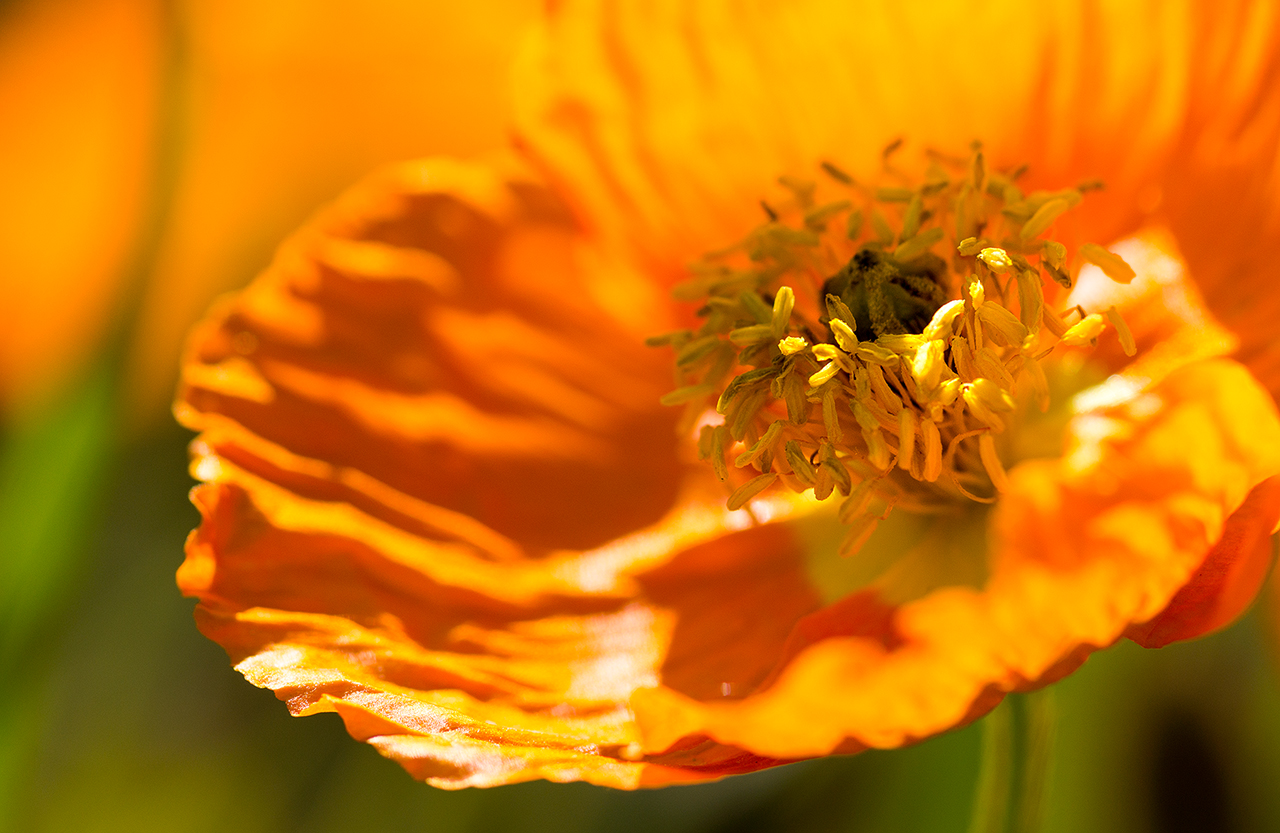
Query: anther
x=1085, y=332
x=1122, y=332
x=792, y=345
x=1111, y=264
x=745, y=493
x=997, y=260
x=991, y=462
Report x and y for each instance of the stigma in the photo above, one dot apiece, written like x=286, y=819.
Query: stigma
x=884, y=341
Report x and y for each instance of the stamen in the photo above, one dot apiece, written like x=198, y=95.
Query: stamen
x=1122, y=331
x=991, y=462
x=791, y=345
x=1043, y=218
x=783, y=303
x=1111, y=264
x=744, y=494
x=1085, y=332
x=845, y=337
x=996, y=259
x=854, y=359
x=837, y=174
x=906, y=438
x=1030, y=299
x=853, y=228
x=932, y=451
x=917, y=244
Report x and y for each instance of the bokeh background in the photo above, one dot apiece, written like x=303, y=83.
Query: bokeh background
x=151, y=155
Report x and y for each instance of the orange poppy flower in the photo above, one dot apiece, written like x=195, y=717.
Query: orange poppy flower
x=894, y=481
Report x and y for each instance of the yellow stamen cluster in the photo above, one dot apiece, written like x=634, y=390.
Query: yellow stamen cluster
x=906, y=402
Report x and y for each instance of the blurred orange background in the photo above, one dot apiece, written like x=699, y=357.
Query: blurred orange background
x=165, y=148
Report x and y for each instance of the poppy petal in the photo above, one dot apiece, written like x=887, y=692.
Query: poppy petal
x=1221, y=192
x=442, y=499
x=429, y=345
x=468, y=686
x=1229, y=578
x=666, y=123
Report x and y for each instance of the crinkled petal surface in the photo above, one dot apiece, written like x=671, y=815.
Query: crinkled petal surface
x=442, y=501
x=442, y=498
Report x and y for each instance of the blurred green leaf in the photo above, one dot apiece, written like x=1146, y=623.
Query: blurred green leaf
x=51, y=470
x=51, y=476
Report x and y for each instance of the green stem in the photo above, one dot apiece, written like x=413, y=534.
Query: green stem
x=995, y=772
x=1040, y=714
x=1016, y=765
